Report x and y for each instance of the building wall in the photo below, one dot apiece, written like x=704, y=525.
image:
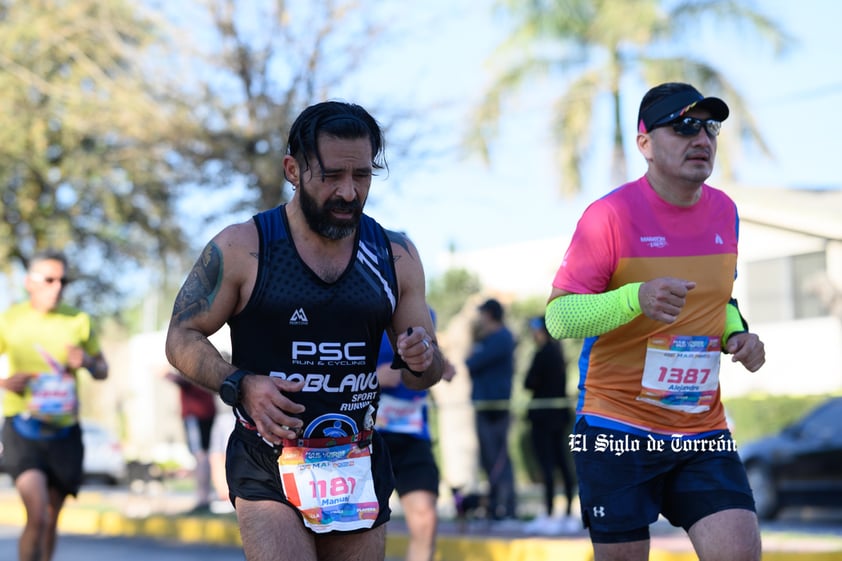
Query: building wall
x=811, y=347
x=150, y=404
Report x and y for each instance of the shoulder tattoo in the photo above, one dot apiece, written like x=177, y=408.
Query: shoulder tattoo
x=401, y=240
x=202, y=285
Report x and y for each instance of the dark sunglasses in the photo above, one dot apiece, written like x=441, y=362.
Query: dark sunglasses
x=38, y=277
x=690, y=126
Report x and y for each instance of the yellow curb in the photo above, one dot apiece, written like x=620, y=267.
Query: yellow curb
x=462, y=548
x=79, y=521
x=115, y=524
x=544, y=549
x=12, y=513
x=396, y=545
x=224, y=531
x=157, y=526
x=666, y=555
x=189, y=530
x=473, y=549
x=798, y=555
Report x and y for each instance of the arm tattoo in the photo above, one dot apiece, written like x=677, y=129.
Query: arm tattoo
x=400, y=239
x=201, y=286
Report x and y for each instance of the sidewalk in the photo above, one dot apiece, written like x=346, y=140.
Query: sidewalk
x=163, y=514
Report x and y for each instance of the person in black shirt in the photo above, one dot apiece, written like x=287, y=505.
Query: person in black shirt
x=549, y=416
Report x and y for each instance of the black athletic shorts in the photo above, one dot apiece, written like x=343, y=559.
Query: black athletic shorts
x=626, y=481
x=413, y=463
x=60, y=458
x=251, y=468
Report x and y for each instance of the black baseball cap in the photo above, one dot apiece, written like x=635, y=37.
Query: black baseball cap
x=667, y=102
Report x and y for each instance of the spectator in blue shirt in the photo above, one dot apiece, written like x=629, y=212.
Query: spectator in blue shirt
x=491, y=366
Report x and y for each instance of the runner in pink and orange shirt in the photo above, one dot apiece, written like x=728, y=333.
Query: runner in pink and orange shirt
x=631, y=236
x=647, y=282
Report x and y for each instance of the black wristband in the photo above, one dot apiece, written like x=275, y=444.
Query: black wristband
x=733, y=302
x=400, y=364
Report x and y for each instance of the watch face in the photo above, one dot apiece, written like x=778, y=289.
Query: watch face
x=228, y=392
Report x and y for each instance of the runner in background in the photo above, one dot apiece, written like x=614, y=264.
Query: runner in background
x=403, y=421
x=48, y=344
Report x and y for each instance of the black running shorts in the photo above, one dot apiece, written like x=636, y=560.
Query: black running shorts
x=413, y=463
x=60, y=458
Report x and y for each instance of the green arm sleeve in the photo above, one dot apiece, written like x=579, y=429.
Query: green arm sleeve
x=578, y=316
x=734, y=321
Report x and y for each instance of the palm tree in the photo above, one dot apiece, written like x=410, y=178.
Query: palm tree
x=595, y=45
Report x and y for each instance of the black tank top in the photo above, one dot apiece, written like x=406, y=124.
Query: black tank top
x=298, y=327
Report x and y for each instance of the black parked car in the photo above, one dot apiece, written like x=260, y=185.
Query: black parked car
x=801, y=465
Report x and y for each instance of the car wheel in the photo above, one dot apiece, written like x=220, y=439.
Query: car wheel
x=762, y=484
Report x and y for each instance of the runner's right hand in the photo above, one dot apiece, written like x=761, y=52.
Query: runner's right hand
x=662, y=299
x=18, y=381
x=274, y=414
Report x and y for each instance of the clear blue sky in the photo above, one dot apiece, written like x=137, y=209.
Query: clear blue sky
x=796, y=100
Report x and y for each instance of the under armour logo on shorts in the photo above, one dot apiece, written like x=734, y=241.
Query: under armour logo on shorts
x=599, y=511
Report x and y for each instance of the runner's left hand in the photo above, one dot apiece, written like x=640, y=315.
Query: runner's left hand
x=748, y=349
x=415, y=347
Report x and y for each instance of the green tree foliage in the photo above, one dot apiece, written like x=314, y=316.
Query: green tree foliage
x=127, y=130
x=254, y=66
x=594, y=48
x=447, y=293
x=83, y=166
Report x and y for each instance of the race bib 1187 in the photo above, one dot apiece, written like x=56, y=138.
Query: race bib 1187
x=331, y=487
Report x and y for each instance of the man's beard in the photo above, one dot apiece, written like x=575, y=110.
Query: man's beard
x=322, y=221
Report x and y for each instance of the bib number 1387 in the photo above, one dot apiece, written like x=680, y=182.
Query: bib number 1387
x=675, y=375
x=681, y=372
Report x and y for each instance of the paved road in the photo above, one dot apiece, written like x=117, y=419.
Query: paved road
x=88, y=548
x=811, y=521
x=798, y=531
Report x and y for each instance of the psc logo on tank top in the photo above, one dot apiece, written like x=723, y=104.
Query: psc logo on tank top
x=328, y=353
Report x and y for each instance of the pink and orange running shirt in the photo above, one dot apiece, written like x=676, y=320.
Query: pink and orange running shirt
x=649, y=375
